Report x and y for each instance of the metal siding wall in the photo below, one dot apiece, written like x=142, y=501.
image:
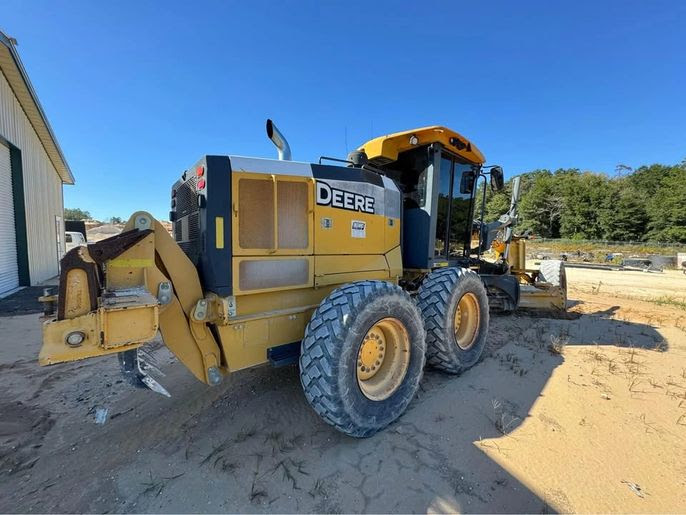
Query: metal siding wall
x=42, y=186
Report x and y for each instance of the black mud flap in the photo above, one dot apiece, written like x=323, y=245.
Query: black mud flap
x=503, y=291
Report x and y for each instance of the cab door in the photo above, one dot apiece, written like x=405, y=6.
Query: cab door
x=453, y=210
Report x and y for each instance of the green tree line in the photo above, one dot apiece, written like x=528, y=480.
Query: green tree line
x=74, y=213
x=646, y=204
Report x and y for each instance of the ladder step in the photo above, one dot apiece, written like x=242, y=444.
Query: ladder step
x=283, y=355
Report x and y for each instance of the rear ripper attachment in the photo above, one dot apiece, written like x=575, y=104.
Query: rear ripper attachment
x=114, y=296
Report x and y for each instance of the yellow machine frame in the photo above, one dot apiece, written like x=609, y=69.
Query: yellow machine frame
x=150, y=284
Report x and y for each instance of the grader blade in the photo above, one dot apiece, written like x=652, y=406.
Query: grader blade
x=543, y=298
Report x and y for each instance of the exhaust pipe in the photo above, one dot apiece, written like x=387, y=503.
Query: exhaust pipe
x=279, y=140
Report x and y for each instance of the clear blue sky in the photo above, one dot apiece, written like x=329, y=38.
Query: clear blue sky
x=137, y=91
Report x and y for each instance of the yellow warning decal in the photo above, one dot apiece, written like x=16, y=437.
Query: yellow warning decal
x=219, y=228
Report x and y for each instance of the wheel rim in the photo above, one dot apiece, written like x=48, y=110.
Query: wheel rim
x=467, y=320
x=383, y=359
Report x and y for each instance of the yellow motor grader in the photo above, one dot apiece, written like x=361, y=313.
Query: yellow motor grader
x=361, y=271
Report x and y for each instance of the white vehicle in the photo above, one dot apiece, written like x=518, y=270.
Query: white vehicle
x=73, y=239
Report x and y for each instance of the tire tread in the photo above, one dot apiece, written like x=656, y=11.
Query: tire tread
x=433, y=301
x=317, y=361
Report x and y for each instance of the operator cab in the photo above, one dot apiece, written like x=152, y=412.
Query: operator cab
x=436, y=170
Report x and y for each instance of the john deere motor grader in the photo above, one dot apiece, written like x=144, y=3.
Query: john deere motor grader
x=360, y=271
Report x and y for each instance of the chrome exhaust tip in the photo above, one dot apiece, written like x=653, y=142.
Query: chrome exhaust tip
x=279, y=141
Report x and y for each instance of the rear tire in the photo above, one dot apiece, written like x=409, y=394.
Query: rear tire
x=362, y=356
x=455, y=339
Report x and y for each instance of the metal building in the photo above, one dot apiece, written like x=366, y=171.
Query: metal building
x=32, y=172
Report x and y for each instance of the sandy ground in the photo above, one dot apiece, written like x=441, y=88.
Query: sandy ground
x=584, y=413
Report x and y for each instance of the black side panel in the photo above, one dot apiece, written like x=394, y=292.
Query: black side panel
x=215, y=263
x=198, y=201
x=415, y=242
x=20, y=216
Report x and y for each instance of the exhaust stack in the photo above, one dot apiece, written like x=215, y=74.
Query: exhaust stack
x=279, y=140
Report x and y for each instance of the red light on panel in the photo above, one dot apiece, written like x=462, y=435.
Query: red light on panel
x=201, y=184
x=200, y=171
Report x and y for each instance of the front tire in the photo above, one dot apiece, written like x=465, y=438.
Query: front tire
x=362, y=356
x=454, y=305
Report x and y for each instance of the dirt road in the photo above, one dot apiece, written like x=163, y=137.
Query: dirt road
x=586, y=413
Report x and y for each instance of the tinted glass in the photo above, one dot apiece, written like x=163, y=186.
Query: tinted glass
x=460, y=212
x=443, y=206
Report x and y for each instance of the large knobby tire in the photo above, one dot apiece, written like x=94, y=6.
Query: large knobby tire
x=381, y=320
x=455, y=339
x=552, y=271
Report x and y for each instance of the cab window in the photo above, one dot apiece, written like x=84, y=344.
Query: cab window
x=460, y=212
x=443, y=206
x=453, y=212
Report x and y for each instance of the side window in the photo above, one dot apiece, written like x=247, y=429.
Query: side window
x=67, y=238
x=443, y=207
x=411, y=170
x=459, y=212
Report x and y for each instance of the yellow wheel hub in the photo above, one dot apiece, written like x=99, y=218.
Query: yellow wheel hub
x=383, y=359
x=371, y=354
x=467, y=321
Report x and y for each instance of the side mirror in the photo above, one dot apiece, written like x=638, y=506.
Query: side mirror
x=497, y=179
x=467, y=182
